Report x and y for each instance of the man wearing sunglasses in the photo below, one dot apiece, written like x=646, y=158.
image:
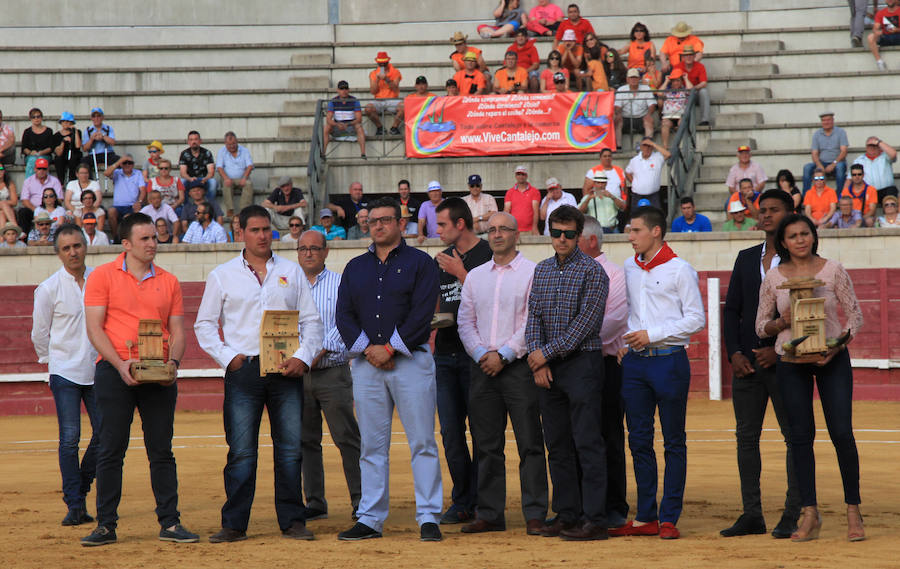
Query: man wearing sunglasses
x=864, y=197
x=565, y=315
x=205, y=229
x=33, y=192
x=129, y=191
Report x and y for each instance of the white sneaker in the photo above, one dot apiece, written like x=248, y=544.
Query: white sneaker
x=882, y=66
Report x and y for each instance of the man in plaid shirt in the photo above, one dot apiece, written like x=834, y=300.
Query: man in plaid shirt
x=565, y=313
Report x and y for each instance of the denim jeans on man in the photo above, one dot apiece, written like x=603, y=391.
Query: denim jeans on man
x=76, y=479
x=453, y=377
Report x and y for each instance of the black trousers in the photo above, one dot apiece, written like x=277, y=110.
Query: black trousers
x=613, y=421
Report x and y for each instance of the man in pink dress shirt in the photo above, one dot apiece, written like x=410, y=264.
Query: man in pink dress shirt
x=492, y=316
x=615, y=325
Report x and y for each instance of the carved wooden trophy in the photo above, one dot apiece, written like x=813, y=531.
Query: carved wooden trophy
x=808, y=343
x=152, y=367
x=279, y=338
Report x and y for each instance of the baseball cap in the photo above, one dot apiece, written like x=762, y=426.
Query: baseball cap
x=633, y=72
x=67, y=116
x=522, y=168
x=97, y=110
x=41, y=163
x=474, y=180
x=559, y=77
x=89, y=218
x=644, y=202
x=325, y=212
x=343, y=84
x=736, y=206
x=553, y=183
x=743, y=148
x=420, y=80
x=676, y=74
x=434, y=185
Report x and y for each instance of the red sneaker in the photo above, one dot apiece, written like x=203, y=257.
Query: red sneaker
x=629, y=529
x=668, y=531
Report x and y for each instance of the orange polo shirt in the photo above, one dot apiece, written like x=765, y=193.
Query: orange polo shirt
x=385, y=92
x=127, y=301
x=819, y=205
x=519, y=80
x=673, y=47
x=871, y=198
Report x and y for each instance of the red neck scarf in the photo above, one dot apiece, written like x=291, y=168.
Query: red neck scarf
x=664, y=254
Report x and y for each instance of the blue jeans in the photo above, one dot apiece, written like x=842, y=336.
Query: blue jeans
x=647, y=384
x=840, y=175
x=452, y=375
x=76, y=479
x=246, y=394
x=211, y=186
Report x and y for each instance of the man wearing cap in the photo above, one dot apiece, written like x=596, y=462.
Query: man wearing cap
x=601, y=203
x=510, y=78
x=129, y=192
x=523, y=202
x=361, y=230
x=574, y=22
x=66, y=147
x=482, y=205
x=828, y=151
x=471, y=81
x=696, y=73
x=234, y=164
x=673, y=47
x=885, y=30
x=152, y=163
x=635, y=102
x=282, y=202
x=409, y=208
x=421, y=90
x=527, y=58
x=205, y=229
x=60, y=340
x=347, y=206
x=198, y=167
x=427, y=216
x=877, y=163
x=32, y=192
x=452, y=87
x=343, y=118
x=644, y=172
x=555, y=197
x=42, y=234
x=94, y=237
x=690, y=221
x=745, y=168
x=384, y=85
x=11, y=233
x=7, y=142
x=544, y=18
x=98, y=141
x=327, y=227
x=460, y=49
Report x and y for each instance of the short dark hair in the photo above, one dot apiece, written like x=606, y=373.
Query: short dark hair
x=67, y=229
x=782, y=228
x=132, y=219
x=748, y=180
x=787, y=175
x=230, y=134
x=386, y=202
x=254, y=210
x=857, y=167
x=522, y=31
x=457, y=209
x=207, y=205
x=573, y=6
x=652, y=216
x=512, y=53
x=404, y=181
x=86, y=192
x=606, y=150
x=565, y=213
x=194, y=132
x=780, y=195
x=686, y=199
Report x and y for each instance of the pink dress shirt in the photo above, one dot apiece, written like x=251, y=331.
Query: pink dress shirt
x=615, y=319
x=493, y=311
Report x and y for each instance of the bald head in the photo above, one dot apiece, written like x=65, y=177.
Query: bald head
x=506, y=219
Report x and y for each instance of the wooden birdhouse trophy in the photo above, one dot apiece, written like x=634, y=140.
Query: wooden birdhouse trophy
x=279, y=338
x=152, y=367
x=808, y=343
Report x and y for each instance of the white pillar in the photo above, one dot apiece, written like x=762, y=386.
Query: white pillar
x=714, y=334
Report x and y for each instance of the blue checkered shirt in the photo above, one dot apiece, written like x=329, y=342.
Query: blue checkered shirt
x=325, y=293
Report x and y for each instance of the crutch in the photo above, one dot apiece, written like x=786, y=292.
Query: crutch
x=68, y=160
x=96, y=171
x=105, y=167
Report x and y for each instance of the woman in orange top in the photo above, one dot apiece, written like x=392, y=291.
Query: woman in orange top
x=820, y=202
x=639, y=47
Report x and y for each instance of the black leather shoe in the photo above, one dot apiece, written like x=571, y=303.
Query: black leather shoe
x=430, y=532
x=745, y=525
x=587, y=532
x=785, y=527
x=76, y=516
x=227, y=535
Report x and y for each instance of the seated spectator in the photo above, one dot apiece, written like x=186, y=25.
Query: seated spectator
x=165, y=233
x=481, y=205
x=863, y=196
x=747, y=197
x=682, y=36
x=560, y=83
x=234, y=164
x=885, y=31
x=877, y=163
x=690, y=221
x=37, y=141
x=169, y=186
x=99, y=142
x=470, y=80
x=738, y=219
x=66, y=148
x=189, y=209
x=509, y=18
x=601, y=201
x=8, y=197
x=639, y=48
x=408, y=205
x=361, y=229
x=746, y=168
x=571, y=51
x=346, y=207
x=891, y=210
x=295, y=228
x=592, y=75
x=452, y=87
x=235, y=234
x=554, y=66
x=282, y=202
x=89, y=205
x=42, y=234
x=636, y=103
x=544, y=18
x=555, y=197
x=11, y=233
x=821, y=203
x=522, y=202
x=344, y=118
x=427, y=218
x=696, y=75
x=676, y=87
x=845, y=217
x=786, y=182
x=156, y=208
x=51, y=205
x=420, y=90
x=94, y=236
x=129, y=192
x=198, y=167
x=7, y=142
x=616, y=73
x=151, y=164
x=204, y=229
x=33, y=192
x=510, y=78
x=458, y=58
x=527, y=58
x=653, y=77
x=828, y=151
x=76, y=188
x=384, y=85
x=575, y=23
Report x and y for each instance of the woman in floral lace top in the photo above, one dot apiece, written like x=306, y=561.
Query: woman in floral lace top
x=797, y=242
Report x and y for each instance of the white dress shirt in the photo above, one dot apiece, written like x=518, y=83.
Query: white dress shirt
x=665, y=301
x=58, y=330
x=234, y=296
x=325, y=293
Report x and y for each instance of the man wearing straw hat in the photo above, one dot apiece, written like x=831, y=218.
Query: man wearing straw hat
x=682, y=36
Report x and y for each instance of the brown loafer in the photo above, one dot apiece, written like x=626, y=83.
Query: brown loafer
x=298, y=530
x=481, y=526
x=587, y=532
x=533, y=527
x=554, y=529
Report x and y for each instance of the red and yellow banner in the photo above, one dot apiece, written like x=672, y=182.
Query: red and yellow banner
x=529, y=123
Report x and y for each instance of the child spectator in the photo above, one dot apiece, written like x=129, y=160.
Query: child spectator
x=151, y=164
x=592, y=75
x=639, y=48
x=554, y=66
x=653, y=77
x=11, y=233
x=508, y=19
x=544, y=18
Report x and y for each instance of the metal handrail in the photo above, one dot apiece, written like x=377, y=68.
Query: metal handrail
x=685, y=160
x=317, y=167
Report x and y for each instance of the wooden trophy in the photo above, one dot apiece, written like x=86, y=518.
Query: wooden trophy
x=808, y=343
x=279, y=338
x=152, y=366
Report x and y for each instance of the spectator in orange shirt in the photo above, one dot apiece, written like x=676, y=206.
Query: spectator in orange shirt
x=670, y=53
x=457, y=58
x=639, y=48
x=470, y=79
x=544, y=18
x=554, y=66
x=820, y=202
x=528, y=58
x=592, y=76
x=864, y=196
x=421, y=91
x=510, y=78
x=384, y=84
x=571, y=52
x=509, y=17
x=574, y=22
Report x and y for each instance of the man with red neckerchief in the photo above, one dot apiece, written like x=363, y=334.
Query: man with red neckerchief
x=665, y=310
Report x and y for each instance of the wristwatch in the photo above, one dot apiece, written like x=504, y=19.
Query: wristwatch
x=503, y=359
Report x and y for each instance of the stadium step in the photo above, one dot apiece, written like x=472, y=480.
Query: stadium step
x=761, y=45
x=753, y=69
x=738, y=119
x=747, y=93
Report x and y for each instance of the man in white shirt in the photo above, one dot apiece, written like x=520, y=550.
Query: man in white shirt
x=555, y=197
x=237, y=292
x=665, y=310
x=635, y=102
x=60, y=340
x=89, y=229
x=644, y=173
x=205, y=229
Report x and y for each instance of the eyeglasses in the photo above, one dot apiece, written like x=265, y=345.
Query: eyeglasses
x=503, y=228
x=40, y=168
x=201, y=212
x=312, y=249
x=554, y=57
x=49, y=196
x=385, y=220
x=569, y=233
x=872, y=145
x=818, y=177
x=521, y=174
x=294, y=225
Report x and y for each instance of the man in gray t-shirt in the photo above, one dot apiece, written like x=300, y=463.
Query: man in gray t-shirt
x=829, y=152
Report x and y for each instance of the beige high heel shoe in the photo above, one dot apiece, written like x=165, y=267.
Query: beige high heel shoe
x=853, y=515
x=810, y=524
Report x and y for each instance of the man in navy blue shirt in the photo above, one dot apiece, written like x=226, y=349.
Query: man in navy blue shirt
x=384, y=309
x=690, y=221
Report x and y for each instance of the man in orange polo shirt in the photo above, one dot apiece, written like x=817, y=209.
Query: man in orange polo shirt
x=117, y=296
x=864, y=196
x=510, y=78
x=470, y=80
x=820, y=202
x=384, y=84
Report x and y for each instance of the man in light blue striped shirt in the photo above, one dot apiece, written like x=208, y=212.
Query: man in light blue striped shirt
x=328, y=387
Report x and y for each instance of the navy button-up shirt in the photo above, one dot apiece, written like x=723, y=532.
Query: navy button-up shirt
x=391, y=302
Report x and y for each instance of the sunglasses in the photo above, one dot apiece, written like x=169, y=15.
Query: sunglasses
x=818, y=177
x=153, y=151
x=856, y=173
x=294, y=225
x=128, y=163
x=569, y=233
x=554, y=57
x=43, y=223
x=40, y=168
x=892, y=204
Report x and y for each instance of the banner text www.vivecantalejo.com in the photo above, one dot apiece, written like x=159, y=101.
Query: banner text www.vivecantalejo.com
x=506, y=136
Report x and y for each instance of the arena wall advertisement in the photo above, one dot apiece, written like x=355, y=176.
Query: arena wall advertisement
x=529, y=123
